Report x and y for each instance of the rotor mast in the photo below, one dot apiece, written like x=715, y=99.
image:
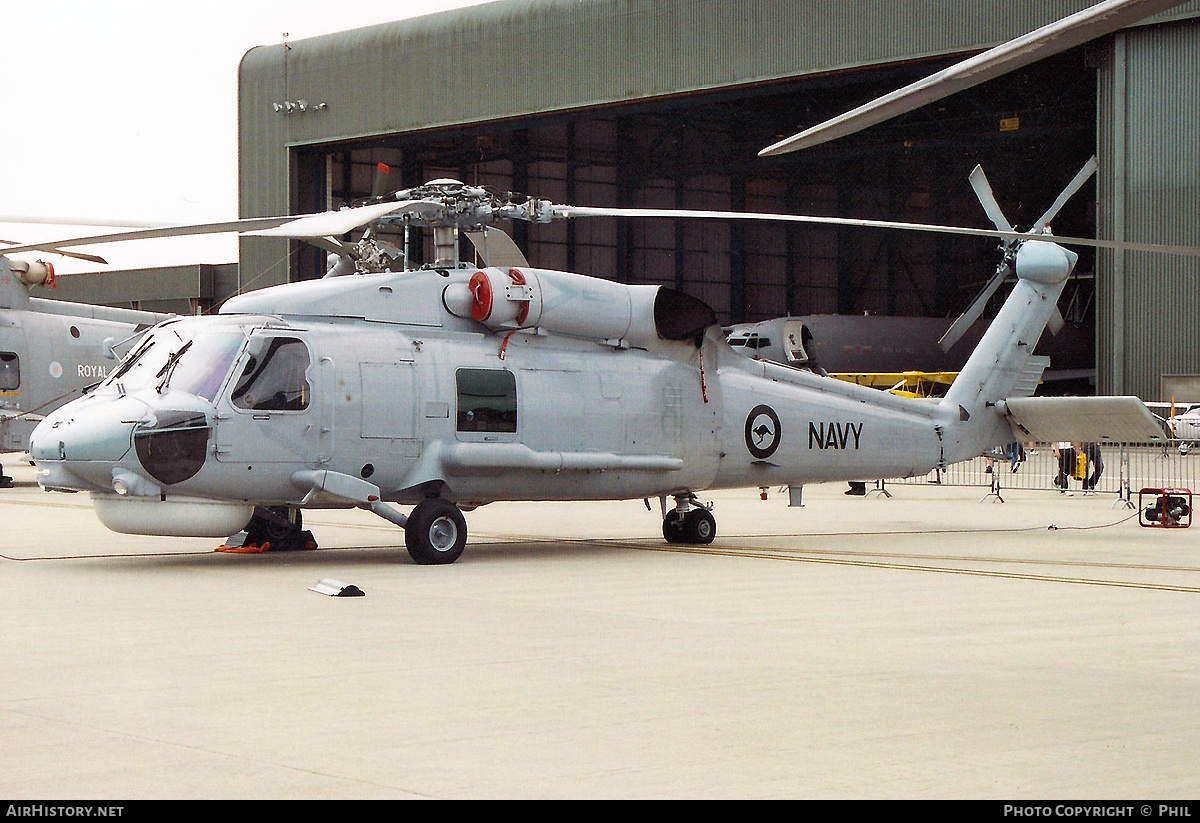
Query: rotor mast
x=449, y=208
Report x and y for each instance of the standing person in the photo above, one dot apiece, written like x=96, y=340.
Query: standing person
x=1016, y=454
x=1095, y=467
x=1064, y=452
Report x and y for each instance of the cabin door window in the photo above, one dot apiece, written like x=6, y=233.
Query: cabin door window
x=10, y=371
x=487, y=400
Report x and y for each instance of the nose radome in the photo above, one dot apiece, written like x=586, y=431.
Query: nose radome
x=88, y=431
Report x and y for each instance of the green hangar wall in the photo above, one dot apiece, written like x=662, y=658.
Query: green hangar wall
x=666, y=103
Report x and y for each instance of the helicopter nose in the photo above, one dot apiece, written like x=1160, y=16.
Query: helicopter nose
x=84, y=438
x=88, y=431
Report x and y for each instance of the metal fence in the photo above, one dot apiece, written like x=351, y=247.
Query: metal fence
x=1127, y=468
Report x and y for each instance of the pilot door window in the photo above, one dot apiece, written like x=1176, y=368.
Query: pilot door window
x=487, y=400
x=10, y=371
x=274, y=376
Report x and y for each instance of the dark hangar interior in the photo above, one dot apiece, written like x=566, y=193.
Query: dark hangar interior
x=1031, y=131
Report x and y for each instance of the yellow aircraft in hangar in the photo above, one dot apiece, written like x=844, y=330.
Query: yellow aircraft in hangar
x=906, y=384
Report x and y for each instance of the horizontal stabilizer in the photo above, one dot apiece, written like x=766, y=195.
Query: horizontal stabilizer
x=1083, y=420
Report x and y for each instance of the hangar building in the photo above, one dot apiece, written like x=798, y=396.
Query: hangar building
x=665, y=103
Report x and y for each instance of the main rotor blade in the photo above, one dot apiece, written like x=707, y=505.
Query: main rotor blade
x=242, y=225
x=967, y=318
x=588, y=211
x=1070, y=31
x=983, y=190
x=324, y=224
x=91, y=258
x=1089, y=168
x=32, y=219
x=333, y=223
x=78, y=255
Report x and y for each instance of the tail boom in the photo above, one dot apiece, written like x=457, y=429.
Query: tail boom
x=996, y=368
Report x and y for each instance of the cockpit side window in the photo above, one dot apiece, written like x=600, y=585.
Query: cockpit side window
x=10, y=371
x=750, y=340
x=274, y=378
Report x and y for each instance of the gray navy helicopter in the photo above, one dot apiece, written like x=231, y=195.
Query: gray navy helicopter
x=454, y=385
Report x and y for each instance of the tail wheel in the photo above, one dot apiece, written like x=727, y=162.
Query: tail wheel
x=436, y=532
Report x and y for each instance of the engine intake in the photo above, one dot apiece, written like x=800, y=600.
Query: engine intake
x=577, y=306
x=37, y=273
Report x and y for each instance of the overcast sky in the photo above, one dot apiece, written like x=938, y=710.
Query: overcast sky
x=127, y=109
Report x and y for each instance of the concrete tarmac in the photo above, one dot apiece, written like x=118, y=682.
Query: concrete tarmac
x=927, y=645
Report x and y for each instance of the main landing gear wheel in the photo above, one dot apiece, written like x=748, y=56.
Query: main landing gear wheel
x=436, y=532
x=696, y=526
x=271, y=529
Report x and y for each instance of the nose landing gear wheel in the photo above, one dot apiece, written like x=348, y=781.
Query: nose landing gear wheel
x=697, y=527
x=436, y=532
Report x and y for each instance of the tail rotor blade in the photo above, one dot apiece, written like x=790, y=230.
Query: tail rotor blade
x=967, y=318
x=987, y=199
x=1089, y=168
x=1056, y=322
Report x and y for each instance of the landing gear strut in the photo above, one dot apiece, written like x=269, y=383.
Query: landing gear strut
x=435, y=532
x=689, y=522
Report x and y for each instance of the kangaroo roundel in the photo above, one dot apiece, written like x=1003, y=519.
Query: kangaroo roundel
x=762, y=431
